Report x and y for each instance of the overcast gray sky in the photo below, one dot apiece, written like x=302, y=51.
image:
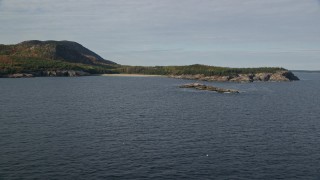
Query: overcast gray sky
x=234, y=33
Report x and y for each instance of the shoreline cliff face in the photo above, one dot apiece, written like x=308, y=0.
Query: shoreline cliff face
x=280, y=76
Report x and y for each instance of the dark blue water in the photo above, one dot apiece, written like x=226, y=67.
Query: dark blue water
x=148, y=128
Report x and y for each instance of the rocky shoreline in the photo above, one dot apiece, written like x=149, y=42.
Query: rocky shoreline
x=280, y=76
x=54, y=73
x=208, y=88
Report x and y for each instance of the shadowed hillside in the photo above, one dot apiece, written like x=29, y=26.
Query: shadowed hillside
x=55, y=50
x=41, y=58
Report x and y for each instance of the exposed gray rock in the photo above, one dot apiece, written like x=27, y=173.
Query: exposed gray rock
x=262, y=77
x=243, y=78
x=278, y=76
x=82, y=73
x=20, y=75
x=208, y=88
x=283, y=76
x=70, y=73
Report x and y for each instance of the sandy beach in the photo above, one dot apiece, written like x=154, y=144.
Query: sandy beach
x=132, y=75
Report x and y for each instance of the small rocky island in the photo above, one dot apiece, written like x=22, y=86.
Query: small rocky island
x=208, y=88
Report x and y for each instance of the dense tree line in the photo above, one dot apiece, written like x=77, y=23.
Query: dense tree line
x=18, y=64
x=11, y=65
x=194, y=69
x=35, y=56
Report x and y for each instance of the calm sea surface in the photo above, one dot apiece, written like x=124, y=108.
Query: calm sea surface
x=148, y=128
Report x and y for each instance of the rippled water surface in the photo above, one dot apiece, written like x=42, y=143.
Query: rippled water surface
x=148, y=128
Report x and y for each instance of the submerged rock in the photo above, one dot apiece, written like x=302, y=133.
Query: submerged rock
x=208, y=88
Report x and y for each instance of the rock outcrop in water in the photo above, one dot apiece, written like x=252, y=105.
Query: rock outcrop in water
x=279, y=76
x=208, y=88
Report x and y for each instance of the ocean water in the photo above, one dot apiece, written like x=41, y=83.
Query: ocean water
x=148, y=128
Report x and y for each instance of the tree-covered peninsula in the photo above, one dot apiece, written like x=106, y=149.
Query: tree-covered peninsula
x=67, y=58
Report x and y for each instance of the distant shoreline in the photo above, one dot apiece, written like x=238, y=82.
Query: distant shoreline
x=131, y=75
x=306, y=71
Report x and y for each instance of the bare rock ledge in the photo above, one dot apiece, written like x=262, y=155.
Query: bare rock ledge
x=208, y=88
x=280, y=76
